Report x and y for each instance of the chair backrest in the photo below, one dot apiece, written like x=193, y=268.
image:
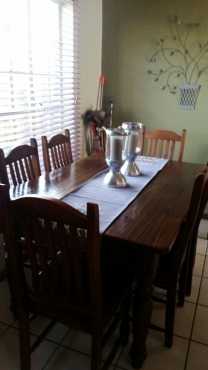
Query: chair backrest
x=21, y=164
x=189, y=224
x=203, y=201
x=57, y=151
x=95, y=140
x=62, y=247
x=162, y=143
x=196, y=201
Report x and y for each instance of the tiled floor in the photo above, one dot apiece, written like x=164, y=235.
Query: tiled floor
x=65, y=349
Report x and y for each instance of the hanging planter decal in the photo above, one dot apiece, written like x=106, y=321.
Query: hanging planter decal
x=188, y=95
x=178, y=64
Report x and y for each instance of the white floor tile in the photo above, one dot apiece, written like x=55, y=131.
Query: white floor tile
x=203, y=298
x=200, y=332
x=64, y=359
x=201, y=246
x=206, y=268
x=199, y=262
x=57, y=332
x=81, y=342
x=206, y=210
x=203, y=229
x=198, y=357
x=9, y=352
x=159, y=357
x=38, y=324
x=195, y=289
x=183, y=319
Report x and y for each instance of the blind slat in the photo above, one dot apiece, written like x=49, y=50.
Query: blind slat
x=39, y=72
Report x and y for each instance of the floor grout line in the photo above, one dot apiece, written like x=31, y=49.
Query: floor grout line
x=194, y=316
x=35, y=334
x=55, y=350
x=198, y=342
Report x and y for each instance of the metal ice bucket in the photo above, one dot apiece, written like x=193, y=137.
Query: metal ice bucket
x=115, y=143
x=132, y=148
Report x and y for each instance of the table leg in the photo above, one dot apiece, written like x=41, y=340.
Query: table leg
x=147, y=263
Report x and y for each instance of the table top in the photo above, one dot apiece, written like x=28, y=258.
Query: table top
x=153, y=219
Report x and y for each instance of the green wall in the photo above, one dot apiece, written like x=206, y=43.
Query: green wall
x=130, y=31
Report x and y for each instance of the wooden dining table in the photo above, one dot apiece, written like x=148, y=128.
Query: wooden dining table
x=148, y=226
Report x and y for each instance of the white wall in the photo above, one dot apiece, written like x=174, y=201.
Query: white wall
x=90, y=50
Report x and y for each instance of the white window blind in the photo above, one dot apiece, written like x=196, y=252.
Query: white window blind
x=39, y=71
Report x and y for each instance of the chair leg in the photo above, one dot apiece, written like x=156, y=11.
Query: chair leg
x=183, y=283
x=125, y=322
x=191, y=262
x=24, y=336
x=11, y=289
x=96, y=356
x=170, y=314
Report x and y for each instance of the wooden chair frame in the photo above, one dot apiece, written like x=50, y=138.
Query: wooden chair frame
x=161, y=143
x=57, y=151
x=190, y=261
x=173, y=267
x=22, y=163
x=95, y=139
x=41, y=297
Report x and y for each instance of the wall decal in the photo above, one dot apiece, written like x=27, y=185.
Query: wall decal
x=180, y=62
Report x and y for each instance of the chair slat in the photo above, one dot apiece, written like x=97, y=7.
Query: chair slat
x=154, y=153
x=65, y=155
x=151, y=147
x=27, y=167
x=32, y=172
x=161, y=148
x=16, y=167
x=22, y=163
x=24, y=177
x=57, y=151
x=172, y=149
x=167, y=145
x=56, y=156
x=53, y=158
x=12, y=172
x=60, y=153
x=95, y=139
x=166, y=150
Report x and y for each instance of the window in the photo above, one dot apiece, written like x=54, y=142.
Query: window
x=39, y=71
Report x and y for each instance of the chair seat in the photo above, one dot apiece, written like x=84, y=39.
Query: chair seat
x=165, y=270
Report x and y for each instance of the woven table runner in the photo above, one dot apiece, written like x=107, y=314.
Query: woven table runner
x=113, y=201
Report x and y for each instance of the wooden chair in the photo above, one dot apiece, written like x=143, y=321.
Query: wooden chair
x=21, y=165
x=193, y=241
x=57, y=151
x=66, y=282
x=173, y=266
x=161, y=143
x=95, y=140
